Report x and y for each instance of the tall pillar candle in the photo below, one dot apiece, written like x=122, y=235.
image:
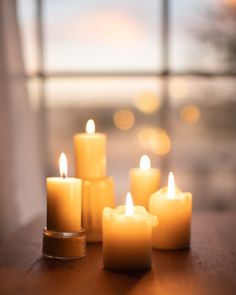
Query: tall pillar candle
x=144, y=181
x=64, y=201
x=97, y=189
x=174, y=211
x=127, y=237
x=90, y=153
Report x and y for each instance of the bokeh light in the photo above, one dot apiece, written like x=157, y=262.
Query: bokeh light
x=178, y=88
x=147, y=102
x=155, y=139
x=124, y=119
x=190, y=114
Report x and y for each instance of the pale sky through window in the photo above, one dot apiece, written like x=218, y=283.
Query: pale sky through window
x=105, y=35
x=102, y=35
x=115, y=35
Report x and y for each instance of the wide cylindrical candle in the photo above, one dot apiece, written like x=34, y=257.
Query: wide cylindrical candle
x=96, y=195
x=90, y=153
x=174, y=211
x=64, y=201
x=144, y=181
x=127, y=237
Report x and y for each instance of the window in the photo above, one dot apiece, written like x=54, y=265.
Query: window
x=153, y=74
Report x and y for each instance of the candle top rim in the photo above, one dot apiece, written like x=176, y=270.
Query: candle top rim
x=89, y=135
x=138, y=210
x=138, y=169
x=61, y=179
x=142, y=214
x=163, y=194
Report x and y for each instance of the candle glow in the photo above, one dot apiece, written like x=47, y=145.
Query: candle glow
x=129, y=206
x=63, y=165
x=171, y=186
x=90, y=127
x=173, y=208
x=144, y=181
x=97, y=187
x=145, y=163
x=127, y=237
x=64, y=201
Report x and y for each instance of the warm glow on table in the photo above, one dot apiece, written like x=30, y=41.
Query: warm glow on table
x=144, y=181
x=127, y=237
x=174, y=211
x=90, y=153
x=63, y=201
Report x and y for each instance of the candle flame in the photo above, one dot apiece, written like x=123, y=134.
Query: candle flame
x=145, y=163
x=90, y=126
x=129, y=206
x=63, y=165
x=171, y=186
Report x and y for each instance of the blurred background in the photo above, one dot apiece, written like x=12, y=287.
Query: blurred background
x=157, y=76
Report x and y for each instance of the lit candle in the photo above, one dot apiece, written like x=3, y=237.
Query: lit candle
x=144, y=181
x=174, y=210
x=97, y=190
x=90, y=153
x=63, y=201
x=127, y=237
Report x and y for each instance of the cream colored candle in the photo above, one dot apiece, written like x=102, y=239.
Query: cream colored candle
x=144, y=181
x=90, y=153
x=174, y=211
x=63, y=201
x=97, y=194
x=127, y=237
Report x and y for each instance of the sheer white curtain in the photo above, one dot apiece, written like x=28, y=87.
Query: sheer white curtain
x=21, y=169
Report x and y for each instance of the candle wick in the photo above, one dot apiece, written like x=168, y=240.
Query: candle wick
x=63, y=175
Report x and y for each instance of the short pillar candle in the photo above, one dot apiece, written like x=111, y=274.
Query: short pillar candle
x=127, y=237
x=144, y=181
x=174, y=211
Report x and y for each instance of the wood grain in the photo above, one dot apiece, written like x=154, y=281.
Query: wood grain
x=209, y=267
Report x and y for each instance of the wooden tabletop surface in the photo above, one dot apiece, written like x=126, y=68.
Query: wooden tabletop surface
x=209, y=267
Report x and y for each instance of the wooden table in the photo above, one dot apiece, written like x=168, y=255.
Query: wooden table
x=209, y=267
